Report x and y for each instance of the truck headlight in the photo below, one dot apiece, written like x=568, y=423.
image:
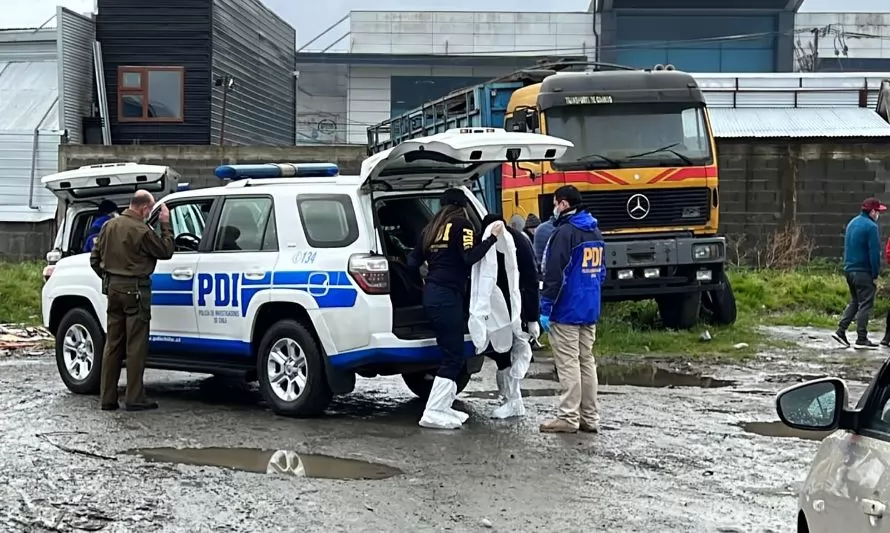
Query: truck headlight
x=707, y=252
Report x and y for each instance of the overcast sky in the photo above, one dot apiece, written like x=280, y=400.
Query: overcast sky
x=310, y=18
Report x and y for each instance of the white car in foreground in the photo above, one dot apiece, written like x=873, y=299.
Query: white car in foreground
x=847, y=489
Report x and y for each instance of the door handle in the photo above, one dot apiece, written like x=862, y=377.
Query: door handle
x=873, y=508
x=183, y=273
x=255, y=273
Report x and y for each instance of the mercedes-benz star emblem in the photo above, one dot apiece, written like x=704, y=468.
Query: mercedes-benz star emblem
x=638, y=206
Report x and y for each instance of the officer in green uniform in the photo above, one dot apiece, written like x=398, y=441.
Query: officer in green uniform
x=124, y=256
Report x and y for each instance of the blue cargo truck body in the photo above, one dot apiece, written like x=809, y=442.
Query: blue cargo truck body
x=481, y=106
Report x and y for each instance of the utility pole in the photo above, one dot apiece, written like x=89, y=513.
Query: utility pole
x=227, y=83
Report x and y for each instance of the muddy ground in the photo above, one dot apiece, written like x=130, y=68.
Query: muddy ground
x=684, y=448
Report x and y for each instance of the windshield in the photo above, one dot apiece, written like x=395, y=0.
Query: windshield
x=630, y=135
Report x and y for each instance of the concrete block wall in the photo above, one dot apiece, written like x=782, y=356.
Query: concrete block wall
x=20, y=241
x=818, y=185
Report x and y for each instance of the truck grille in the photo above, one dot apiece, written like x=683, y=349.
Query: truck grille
x=666, y=207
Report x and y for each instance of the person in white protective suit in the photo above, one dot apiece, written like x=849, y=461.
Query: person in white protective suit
x=504, y=311
x=448, y=246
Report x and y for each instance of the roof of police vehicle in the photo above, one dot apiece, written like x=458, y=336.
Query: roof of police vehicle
x=618, y=80
x=231, y=187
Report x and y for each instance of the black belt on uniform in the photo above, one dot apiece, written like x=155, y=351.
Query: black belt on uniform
x=129, y=280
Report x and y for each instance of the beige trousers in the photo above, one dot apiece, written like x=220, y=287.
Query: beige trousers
x=576, y=368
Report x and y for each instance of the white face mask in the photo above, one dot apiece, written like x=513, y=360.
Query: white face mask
x=555, y=212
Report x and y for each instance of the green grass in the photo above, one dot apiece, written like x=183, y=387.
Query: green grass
x=813, y=296
x=809, y=297
x=20, y=285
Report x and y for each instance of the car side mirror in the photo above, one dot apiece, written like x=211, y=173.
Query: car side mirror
x=816, y=405
x=186, y=242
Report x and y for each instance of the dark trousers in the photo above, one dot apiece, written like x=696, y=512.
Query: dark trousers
x=445, y=308
x=862, y=300
x=129, y=316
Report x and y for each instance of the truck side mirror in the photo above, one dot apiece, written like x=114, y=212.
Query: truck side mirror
x=534, y=123
x=520, y=119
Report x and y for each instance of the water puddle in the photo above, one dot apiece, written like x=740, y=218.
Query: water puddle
x=645, y=375
x=493, y=394
x=526, y=393
x=276, y=462
x=778, y=429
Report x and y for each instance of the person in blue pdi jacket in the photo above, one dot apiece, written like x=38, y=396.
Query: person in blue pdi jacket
x=862, y=264
x=574, y=271
x=107, y=211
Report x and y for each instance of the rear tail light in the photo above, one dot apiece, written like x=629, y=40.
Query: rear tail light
x=47, y=272
x=371, y=272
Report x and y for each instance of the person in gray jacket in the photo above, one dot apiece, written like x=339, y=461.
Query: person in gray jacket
x=542, y=235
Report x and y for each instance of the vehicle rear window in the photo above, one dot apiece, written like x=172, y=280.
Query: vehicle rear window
x=328, y=220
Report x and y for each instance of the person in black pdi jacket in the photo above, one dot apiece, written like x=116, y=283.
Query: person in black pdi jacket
x=448, y=246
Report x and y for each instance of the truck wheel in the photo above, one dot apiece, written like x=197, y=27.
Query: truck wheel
x=679, y=311
x=290, y=371
x=720, y=303
x=421, y=383
x=79, y=346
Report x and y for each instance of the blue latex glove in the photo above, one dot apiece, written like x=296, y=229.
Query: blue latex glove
x=545, y=323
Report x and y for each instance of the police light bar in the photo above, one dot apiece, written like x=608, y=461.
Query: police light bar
x=182, y=187
x=277, y=170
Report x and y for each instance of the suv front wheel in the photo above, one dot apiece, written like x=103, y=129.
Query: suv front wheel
x=79, y=346
x=291, y=372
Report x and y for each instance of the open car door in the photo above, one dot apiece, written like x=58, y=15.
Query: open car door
x=455, y=157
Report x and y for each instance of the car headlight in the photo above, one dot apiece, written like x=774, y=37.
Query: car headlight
x=707, y=252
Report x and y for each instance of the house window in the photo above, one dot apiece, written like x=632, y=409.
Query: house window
x=150, y=94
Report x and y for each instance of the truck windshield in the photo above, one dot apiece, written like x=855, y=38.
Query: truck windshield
x=631, y=135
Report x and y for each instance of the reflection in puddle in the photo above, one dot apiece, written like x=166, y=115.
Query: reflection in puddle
x=778, y=429
x=645, y=375
x=280, y=462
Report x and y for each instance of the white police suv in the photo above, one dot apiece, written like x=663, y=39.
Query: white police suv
x=292, y=274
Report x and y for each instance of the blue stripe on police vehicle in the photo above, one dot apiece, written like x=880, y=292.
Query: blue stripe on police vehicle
x=232, y=291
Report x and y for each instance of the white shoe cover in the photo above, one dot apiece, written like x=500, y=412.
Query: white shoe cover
x=438, y=413
x=513, y=405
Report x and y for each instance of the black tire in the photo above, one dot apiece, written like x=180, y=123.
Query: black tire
x=679, y=311
x=316, y=395
x=85, y=320
x=720, y=303
x=421, y=383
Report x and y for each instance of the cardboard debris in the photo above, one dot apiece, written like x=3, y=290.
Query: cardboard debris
x=18, y=337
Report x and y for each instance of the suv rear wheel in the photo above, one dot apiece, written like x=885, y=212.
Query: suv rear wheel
x=421, y=383
x=291, y=372
x=79, y=346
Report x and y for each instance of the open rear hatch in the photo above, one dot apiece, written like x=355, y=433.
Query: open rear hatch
x=87, y=186
x=429, y=165
x=113, y=181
